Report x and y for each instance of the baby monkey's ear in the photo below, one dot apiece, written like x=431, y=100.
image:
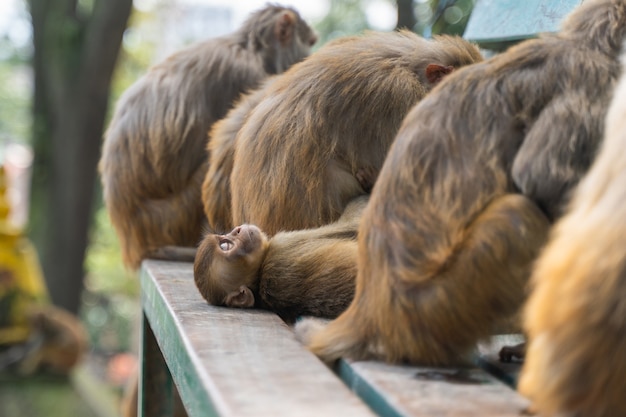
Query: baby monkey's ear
x=242, y=298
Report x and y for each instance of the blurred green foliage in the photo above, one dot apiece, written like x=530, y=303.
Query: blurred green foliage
x=442, y=16
x=348, y=17
x=344, y=17
x=42, y=395
x=15, y=93
x=104, y=259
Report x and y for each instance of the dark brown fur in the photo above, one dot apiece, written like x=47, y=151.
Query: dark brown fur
x=326, y=119
x=576, y=314
x=304, y=272
x=154, y=159
x=453, y=226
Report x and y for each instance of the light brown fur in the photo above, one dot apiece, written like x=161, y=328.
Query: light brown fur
x=154, y=159
x=328, y=118
x=576, y=315
x=221, y=148
x=304, y=272
x=453, y=226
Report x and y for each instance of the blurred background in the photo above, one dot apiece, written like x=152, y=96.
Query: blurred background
x=63, y=64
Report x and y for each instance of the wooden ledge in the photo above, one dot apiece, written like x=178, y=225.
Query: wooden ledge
x=229, y=362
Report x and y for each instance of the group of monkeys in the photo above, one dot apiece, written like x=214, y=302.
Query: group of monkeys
x=416, y=194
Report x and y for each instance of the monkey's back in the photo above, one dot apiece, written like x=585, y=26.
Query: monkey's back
x=328, y=116
x=462, y=146
x=221, y=148
x=154, y=158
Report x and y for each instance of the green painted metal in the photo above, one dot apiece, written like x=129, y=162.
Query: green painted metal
x=156, y=388
x=497, y=23
x=373, y=398
x=196, y=400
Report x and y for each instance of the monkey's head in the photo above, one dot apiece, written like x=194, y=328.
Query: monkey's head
x=227, y=266
x=281, y=35
x=449, y=53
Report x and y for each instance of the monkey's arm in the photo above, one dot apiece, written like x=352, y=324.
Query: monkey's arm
x=550, y=162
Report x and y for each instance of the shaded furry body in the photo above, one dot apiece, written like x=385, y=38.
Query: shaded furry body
x=298, y=153
x=463, y=203
x=221, y=148
x=154, y=159
x=576, y=315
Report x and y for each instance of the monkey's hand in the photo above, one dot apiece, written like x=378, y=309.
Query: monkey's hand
x=508, y=353
x=366, y=178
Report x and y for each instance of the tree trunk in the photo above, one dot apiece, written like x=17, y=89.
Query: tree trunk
x=75, y=52
x=406, y=15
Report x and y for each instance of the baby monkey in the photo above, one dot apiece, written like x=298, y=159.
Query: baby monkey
x=304, y=272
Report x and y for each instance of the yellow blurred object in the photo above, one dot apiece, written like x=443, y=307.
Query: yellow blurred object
x=21, y=278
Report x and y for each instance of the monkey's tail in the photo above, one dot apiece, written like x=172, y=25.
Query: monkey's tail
x=334, y=340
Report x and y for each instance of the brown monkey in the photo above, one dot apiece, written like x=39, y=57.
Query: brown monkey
x=65, y=340
x=576, y=314
x=221, y=150
x=333, y=115
x=453, y=225
x=57, y=344
x=303, y=272
x=153, y=159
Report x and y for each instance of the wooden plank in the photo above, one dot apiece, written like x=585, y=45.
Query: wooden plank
x=395, y=391
x=231, y=362
x=494, y=24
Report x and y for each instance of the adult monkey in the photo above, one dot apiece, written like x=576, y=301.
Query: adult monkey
x=576, y=314
x=299, y=152
x=153, y=158
x=453, y=225
x=221, y=148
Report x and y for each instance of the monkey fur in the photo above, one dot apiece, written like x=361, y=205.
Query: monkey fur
x=303, y=272
x=221, y=148
x=464, y=200
x=575, y=317
x=153, y=158
x=329, y=117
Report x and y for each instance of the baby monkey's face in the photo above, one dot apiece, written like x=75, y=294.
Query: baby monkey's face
x=226, y=267
x=245, y=241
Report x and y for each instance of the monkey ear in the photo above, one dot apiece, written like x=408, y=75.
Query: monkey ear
x=242, y=298
x=436, y=72
x=284, y=27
